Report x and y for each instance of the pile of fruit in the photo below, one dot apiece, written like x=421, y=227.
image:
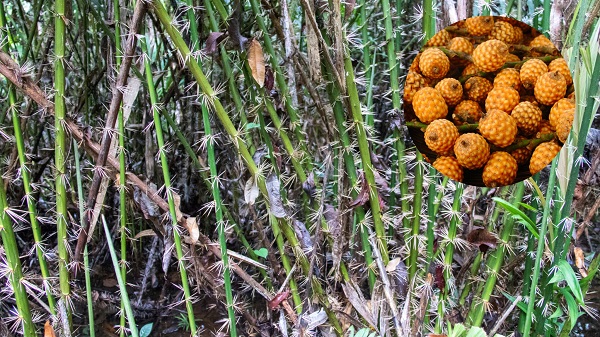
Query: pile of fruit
x=489, y=101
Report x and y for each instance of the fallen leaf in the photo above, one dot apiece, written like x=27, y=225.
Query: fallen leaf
x=251, y=191
x=482, y=238
x=109, y=282
x=440, y=281
x=309, y=186
x=303, y=236
x=273, y=189
x=269, y=78
x=177, y=202
x=399, y=275
x=145, y=232
x=192, y=227
x=274, y=303
x=332, y=216
x=256, y=60
x=48, y=330
x=363, y=195
x=580, y=261
x=213, y=40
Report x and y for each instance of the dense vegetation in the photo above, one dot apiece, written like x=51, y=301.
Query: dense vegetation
x=188, y=167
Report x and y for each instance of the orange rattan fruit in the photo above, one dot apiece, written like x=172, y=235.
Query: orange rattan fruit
x=498, y=127
x=528, y=117
x=461, y=44
x=531, y=71
x=479, y=25
x=503, y=98
x=429, y=105
x=449, y=167
x=500, y=170
x=472, y=151
x=503, y=31
x=565, y=122
x=490, y=55
x=440, y=39
x=440, y=135
x=434, y=63
x=542, y=156
x=467, y=112
x=521, y=155
x=508, y=77
x=562, y=67
x=550, y=87
x=451, y=90
x=558, y=109
x=413, y=83
x=470, y=69
x=477, y=88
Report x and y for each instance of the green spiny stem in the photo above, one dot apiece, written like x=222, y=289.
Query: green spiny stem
x=9, y=242
x=233, y=89
x=279, y=77
x=495, y=261
x=60, y=152
x=33, y=216
x=286, y=263
x=575, y=29
x=338, y=112
x=546, y=17
x=220, y=223
x=428, y=19
x=167, y=182
x=122, y=166
x=86, y=262
x=539, y=252
x=417, y=203
x=365, y=154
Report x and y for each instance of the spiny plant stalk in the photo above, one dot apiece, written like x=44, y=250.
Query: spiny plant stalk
x=416, y=225
x=220, y=223
x=167, y=181
x=86, y=262
x=15, y=276
x=122, y=166
x=365, y=154
x=24, y=170
x=495, y=261
x=60, y=152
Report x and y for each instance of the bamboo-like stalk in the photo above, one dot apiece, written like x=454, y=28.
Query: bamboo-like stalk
x=31, y=207
x=413, y=241
x=210, y=148
x=168, y=188
x=121, y=187
x=15, y=277
x=494, y=262
x=365, y=154
x=86, y=262
x=60, y=152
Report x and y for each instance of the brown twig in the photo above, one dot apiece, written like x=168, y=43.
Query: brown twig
x=111, y=118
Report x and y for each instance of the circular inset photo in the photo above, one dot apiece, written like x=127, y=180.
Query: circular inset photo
x=489, y=101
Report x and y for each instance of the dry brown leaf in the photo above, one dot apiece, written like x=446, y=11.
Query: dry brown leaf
x=482, y=238
x=192, y=227
x=580, y=261
x=177, y=202
x=212, y=41
x=256, y=60
x=273, y=189
x=251, y=191
x=110, y=282
x=48, y=330
x=145, y=232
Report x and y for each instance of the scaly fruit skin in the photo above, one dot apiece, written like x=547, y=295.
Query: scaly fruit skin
x=460, y=44
x=521, y=155
x=500, y=170
x=467, y=112
x=449, y=167
x=518, y=35
x=542, y=156
x=471, y=150
x=451, y=90
x=565, y=122
x=508, y=77
x=562, y=67
x=498, y=127
x=414, y=82
x=502, y=98
x=541, y=41
x=531, y=71
x=503, y=31
x=544, y=128
x=512, y=58
x=477, y=88
x=550, y=88
x=440, y=39
x=470, y=69
x=558, y=109
x=414, y=66
x=490, y=55
x=434, y=63
x=440, y=135
x=479, y=25
x=429, y=105
x=528, y=117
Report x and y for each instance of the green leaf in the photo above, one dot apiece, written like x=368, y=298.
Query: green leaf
x=519, y=215
x=592, y=270
x=364, y=332
x=571, y=279
x=572, y=307
x=556, y=314
x=457, y=331
x=262, y=252
x=146, y=329
x=476, y=332
x=521, y=305
x=252, y=126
